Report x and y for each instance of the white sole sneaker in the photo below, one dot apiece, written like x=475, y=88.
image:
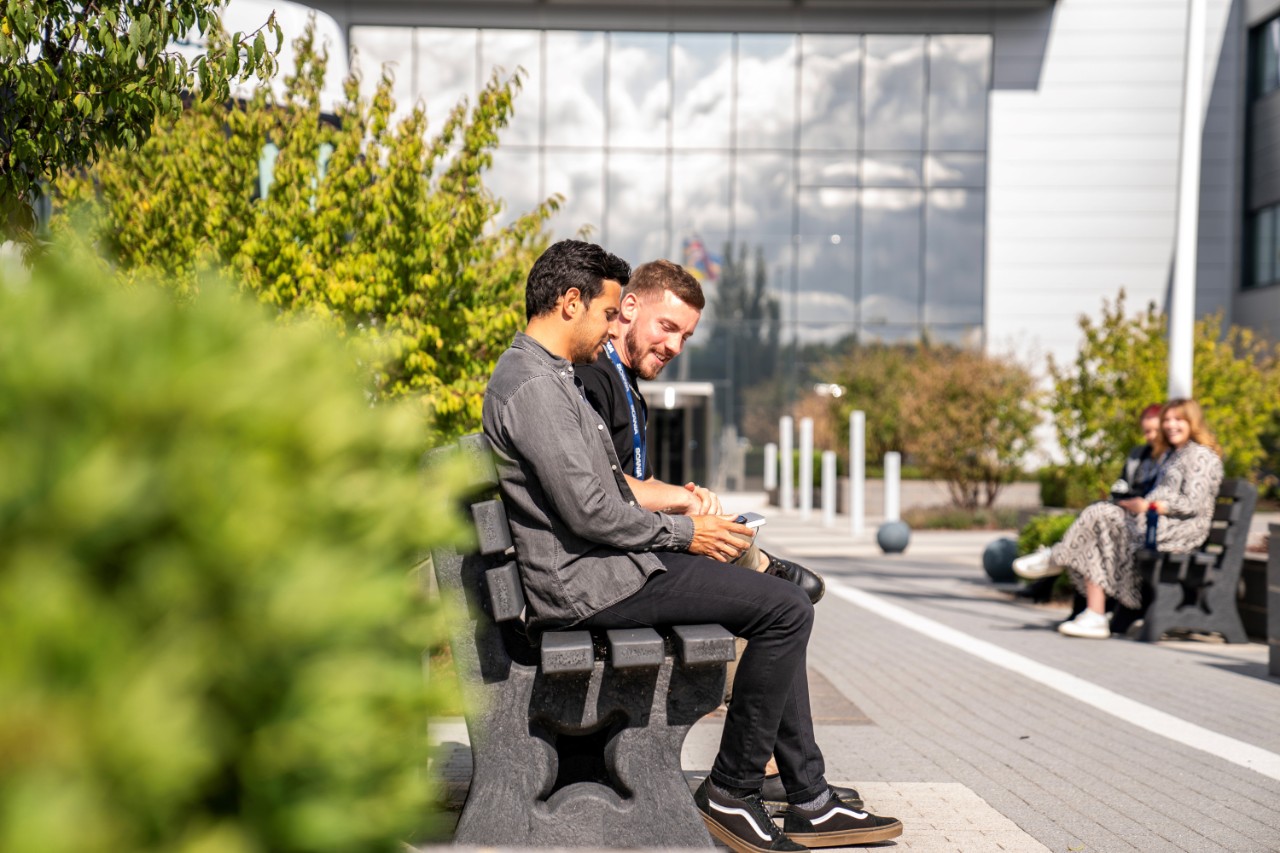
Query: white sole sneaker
x=1035, y=565
x=1089, y=625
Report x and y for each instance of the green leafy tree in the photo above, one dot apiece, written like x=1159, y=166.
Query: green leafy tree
x=386, y=234
x=969, y=419
x=873, y=378
x=210, y=636
x=80, y=79
x=1122, y=367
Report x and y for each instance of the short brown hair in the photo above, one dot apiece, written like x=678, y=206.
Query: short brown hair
x=656, y=276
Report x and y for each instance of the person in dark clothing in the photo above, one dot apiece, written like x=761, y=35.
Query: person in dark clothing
x=590, y=556
x=659, y=312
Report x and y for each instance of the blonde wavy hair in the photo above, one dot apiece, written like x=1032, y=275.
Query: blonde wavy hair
x=1190, y=411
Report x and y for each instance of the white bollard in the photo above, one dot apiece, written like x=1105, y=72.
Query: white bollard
x=786, y=495
x=828, y=488
x=806, y=467
x=892, y=486
x=770, y=466
x=858, y=472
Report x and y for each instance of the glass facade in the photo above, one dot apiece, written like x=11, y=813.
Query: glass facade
x=829, y=188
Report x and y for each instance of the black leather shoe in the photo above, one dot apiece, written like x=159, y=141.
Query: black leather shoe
x=775, y=796
x=809, y=581
x=836, y=824
x=741, y=823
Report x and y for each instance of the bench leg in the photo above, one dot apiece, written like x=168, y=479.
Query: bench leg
x=588, y=762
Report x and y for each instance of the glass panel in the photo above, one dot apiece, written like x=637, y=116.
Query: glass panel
x=828, y=170
x=889, y=335
x=766, y=91
x=374, y=47
x=763, y=259
x=959, y=77
x=1267, y=47
x=965, y=337
x=575, y=88
x=445, y=63
x=763, y=193
x=1263, y=245
x=507, y=51
x=830, y=90
x=639, y=89
x=832, y=335
x=636, y=218
x=892, y=170
x=699, y=204
x=579, y=177
x=953, y=256
x=955, y=170
x=891, y=221
x=514, y=178
x=826, y=257
x=703, y=69
x=895, y=93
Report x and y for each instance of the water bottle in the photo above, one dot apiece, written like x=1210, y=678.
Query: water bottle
x=1153, y=518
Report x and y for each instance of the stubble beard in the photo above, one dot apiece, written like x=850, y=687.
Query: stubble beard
x=636, y=357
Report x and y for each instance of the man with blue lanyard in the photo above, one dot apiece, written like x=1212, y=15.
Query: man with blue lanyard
x=660, y=309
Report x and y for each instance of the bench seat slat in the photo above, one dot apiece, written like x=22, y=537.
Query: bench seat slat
x=635, y=647
x=567, y=652
x=704, y=644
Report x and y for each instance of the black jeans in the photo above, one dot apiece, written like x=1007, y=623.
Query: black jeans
x=770, y=707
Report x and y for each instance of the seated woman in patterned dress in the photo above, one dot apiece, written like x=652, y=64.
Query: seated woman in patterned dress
x=1098, y=549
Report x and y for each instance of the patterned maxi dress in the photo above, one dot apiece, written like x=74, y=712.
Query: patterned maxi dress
x=1101, y=544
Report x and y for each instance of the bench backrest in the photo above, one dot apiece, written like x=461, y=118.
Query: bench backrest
x=1229, y=532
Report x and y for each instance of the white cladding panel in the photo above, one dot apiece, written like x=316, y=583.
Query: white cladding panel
x=1083, y=180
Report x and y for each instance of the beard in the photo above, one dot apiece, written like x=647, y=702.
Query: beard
x=636, y=357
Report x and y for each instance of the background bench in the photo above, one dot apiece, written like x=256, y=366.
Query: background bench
x=1199, y=591
x=576, y=740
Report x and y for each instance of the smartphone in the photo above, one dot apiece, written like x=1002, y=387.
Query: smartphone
x=751, y=519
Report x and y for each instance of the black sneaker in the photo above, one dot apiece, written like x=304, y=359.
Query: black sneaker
x=775, y=796
x=741, y=823
x=836, y=824
x=809, y=581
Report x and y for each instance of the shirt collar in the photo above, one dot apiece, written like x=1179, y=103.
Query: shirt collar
x=525, y=342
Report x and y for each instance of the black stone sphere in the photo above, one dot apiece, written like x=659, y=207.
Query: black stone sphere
x=997, y=560
x=893, y=536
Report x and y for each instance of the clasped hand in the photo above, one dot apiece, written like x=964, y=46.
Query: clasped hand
x=720, y=537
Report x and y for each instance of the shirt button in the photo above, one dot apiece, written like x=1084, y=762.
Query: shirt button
x=599, y=426
x=613, y=467
x=633, y=503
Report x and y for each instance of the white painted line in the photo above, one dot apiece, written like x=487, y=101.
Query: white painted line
x=1136, y=713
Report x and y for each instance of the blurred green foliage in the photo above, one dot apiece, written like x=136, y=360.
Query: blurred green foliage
x=1123, y=366
x=1044, y=530
x=210, y=626
x=79, y=79
x=380, y=230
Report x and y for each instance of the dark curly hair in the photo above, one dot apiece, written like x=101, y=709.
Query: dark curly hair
x=570, y=263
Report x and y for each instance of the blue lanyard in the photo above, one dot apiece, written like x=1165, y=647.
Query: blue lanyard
x=637, y=430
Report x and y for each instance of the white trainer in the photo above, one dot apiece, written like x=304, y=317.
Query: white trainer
x=1035, y=565
x=1088, y=624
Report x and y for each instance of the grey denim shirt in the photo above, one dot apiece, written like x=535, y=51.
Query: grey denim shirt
x=582, y=541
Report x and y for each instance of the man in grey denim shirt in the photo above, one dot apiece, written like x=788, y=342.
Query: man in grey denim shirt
x=590, y=556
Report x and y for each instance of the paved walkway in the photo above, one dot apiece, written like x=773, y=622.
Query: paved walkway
x=960, y=710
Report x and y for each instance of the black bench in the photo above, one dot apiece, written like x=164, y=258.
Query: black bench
x=575, y=740
x=1198, y=591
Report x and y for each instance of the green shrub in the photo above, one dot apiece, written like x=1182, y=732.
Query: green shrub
x=1044, y=530
x=209, y=633
x=1070, y=486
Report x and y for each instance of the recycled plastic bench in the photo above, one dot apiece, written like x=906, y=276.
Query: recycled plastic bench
x=575, y=740
x=1198, y=591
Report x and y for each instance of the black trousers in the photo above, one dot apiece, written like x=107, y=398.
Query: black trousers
x=770, y=708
